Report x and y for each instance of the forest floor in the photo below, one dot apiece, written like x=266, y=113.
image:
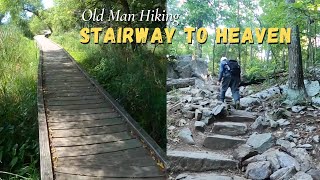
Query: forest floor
x=194, y=122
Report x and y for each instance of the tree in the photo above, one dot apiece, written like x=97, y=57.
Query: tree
x=296, y=90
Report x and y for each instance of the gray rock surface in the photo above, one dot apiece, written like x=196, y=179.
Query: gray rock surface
x=303, y=157
x=286, y=160
x=297, y=109
x=199, y=126
x=261, y=142
x=258, y=170
x=222, y=142
x=249, y=101
x=283, y=122
x=244, y=152
x=202, y=176
x=312, y=87
x=301, y=176
x=199, y=161
x=283, y=173
x=186, y=136
x=230, y=128
x=314, y=173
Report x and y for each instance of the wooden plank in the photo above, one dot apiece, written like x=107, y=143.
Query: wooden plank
x=78, y=102
x=69, y=88
x=85, y=124
x=80, y=112
x=73, y=83
x=74, y=98
x=136, y=156
x=123, y=171
x=66, y=176
x=96, y=148
x=92, y=139
x=77, y=118
x=71, y=94
x=88, y=131
x=46, y=171
x=84, y=106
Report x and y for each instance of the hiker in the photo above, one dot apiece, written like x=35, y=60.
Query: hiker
x=229, y=74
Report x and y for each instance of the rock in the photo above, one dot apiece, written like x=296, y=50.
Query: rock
x=303, y=158
x=297, y=109
x=284, y=145
x=290, y=136
x=198, y=115
x=244, y=152
x=238, y=178
x=218, y=109
x=222, y=142
x=271, y=156
x=230, y=128
x=311, y=128
x=186, y=136
x=258, y=170
x=312, y=87
x=301, y=176
x=256, y=158
x=199, y=161
x=199, y=126
x=182, y=122
x=202, y=176
x=283, y=173
x=316, y=101
x=305, y=146
x=283, y=122
x=171, y=128
x=273, y=124
x=189, y=114
x=261, y=142
x=316, y=138
x=249, y=101
x=314, y=173
x=286, y=160
x=260, y=122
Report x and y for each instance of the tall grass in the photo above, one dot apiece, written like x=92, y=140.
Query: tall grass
x=136, y=79
x=19, y=152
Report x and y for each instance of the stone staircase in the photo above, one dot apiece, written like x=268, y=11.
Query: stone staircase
x=216, y=149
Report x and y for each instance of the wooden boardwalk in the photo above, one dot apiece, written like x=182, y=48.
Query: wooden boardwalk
x=83, y=132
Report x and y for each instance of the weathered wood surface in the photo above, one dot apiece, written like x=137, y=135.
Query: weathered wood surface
x=89, y=137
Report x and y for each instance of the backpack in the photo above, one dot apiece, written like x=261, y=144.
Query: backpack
x=234, y=68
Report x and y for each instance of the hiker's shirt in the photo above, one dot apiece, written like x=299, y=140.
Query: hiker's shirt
x=223, y=71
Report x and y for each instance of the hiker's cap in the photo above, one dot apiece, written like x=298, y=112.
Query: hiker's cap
x=223, y=58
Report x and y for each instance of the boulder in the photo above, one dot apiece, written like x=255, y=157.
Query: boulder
x=312, y=87
x=261, y=142
x=258, y=170
x=303, y=157
x=286, y=160
x=260, y=122
x=284, y=145
x=283, y=122
x=198, y=115
x=314, y=173
x=202, y=176
x=249, y=101
x=186, y=136
x=256, y=158
x=301, y=176
x=283, y=173
x=316, y=138
x=199, y=126
x=230, y=128
x=297, y=109
x=244, y=152
x=316, y=101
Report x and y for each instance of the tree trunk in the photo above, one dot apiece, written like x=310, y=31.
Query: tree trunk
x=296, y=90
x=126, y=9
x=199, y=46
x=283, y=60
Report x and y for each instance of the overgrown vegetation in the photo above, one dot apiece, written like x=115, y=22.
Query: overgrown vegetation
x=19, y=152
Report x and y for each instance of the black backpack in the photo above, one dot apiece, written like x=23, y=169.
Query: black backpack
x=234, y=68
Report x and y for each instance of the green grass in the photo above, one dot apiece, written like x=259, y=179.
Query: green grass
x=136, y=79
x=19, y=152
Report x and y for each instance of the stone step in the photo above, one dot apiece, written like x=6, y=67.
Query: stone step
x=222, y=142
x=230, y=128
x=207, y=176
x=238, y=116
x=199, y=161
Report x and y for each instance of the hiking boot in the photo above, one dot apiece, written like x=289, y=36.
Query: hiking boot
x=238, y=104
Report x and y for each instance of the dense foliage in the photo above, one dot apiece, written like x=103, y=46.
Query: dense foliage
x=19, y=152
x=252, y=14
